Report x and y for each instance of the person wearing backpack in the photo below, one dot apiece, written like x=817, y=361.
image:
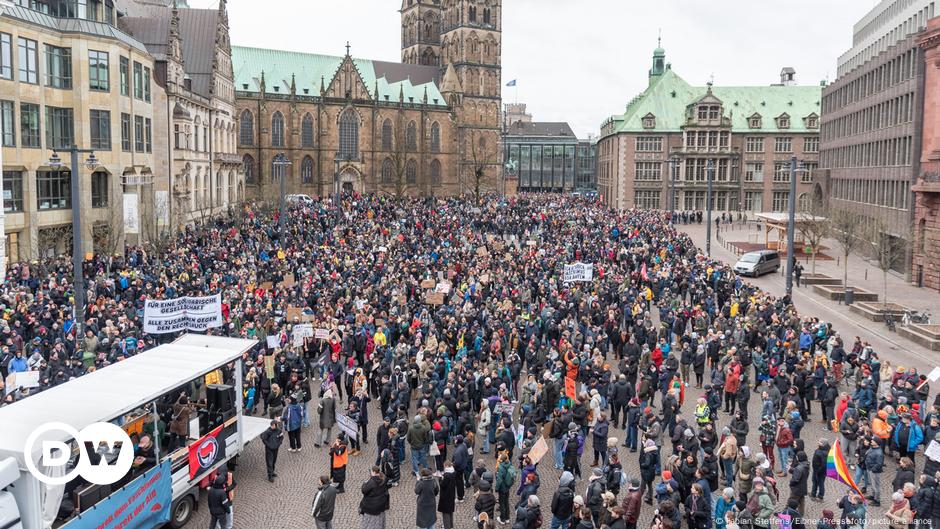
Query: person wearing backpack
x=594, y=496
x=573, y=447
x=563, y=502
x=760, y=506
x=505, y=477
x=614, y=473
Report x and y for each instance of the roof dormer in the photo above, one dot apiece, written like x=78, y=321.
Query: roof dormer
x=754, y=121
x=783, y=121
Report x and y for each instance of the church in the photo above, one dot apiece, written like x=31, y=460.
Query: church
x=428, y=126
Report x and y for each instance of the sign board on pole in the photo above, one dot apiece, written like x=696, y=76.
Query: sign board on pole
x=273, y=342
x=428, y=283
x=579, y=272
x=434, y=298
x=187, y=313
x=934, y=375
x=482, y=251
x=302, y=331
x=348, y=426
x=321, y=334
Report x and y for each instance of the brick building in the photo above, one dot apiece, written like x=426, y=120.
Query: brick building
x=926, y=248
x=745, y=135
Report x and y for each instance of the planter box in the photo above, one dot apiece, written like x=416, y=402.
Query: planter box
x=836, y=293
x=925, y=335
x=876, y=311
x=820, y=279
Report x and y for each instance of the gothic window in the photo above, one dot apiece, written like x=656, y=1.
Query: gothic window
x=306, y=131
x=412, y=137
x=435, y=172
x=277, y=170
x=411, y=172
x=248, y=165
x=473, y=14
x=387, y=135
x=349, y=133
x=247, y=131
x=435, y=137
x=388, y=170
x=306, y=170
x=486, y=15
x=277, y=130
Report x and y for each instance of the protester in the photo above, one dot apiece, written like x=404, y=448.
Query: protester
x=272, y=439
x=324, y=504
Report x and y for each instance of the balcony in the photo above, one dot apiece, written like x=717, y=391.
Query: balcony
x=688, y=149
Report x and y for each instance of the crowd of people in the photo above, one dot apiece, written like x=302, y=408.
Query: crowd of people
x=457, y=346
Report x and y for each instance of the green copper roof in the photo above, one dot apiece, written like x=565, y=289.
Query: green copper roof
x=309, y=68
x=669, y=95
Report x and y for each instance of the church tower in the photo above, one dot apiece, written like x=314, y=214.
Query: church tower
x=471, y=43
x=421, y=32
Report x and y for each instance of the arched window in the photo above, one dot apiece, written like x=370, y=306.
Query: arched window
x=248, y=165
x=411, y=172
x=435, y=137
x=388, y=169
x=306, y=131
x=349, y=133
x=218, y=189
x=277, y=130
x=247, y=131
x=387, y=135
x=411, y=137
x=306, y=170
x=435, y=173
x=486, y=15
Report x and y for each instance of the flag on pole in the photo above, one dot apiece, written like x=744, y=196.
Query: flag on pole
x=511, y=83
x=837, y=469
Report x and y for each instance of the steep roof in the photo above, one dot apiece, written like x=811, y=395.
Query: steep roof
x=197, y=33
x=309, y=68
x=71, y=25
x=540, y=128
x=669, y=95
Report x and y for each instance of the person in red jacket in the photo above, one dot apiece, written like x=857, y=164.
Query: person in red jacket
x=784, y=442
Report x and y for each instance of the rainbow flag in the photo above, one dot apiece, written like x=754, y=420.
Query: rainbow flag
x=837, y=469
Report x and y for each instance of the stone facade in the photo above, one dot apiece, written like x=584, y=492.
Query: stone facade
x=870, y=139
x=194, y=68
x=925, y=269
x=675, y=131
x=102, y=97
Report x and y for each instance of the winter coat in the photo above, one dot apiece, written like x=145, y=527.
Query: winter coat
x=326, y=410
x=375, y=498
x=324, y=503
x=447, y=500
x=563, y=503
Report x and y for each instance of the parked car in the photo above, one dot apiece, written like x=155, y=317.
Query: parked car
x=758, y=263
x=299, y=199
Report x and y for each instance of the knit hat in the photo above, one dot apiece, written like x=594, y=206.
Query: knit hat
x=667, y=475
x=572, y=426
x=598, y=472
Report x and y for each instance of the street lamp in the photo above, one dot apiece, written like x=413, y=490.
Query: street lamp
x=674, y=166
x=710, y=175
x=791, y=222
x=281, y=161
x=78, y=275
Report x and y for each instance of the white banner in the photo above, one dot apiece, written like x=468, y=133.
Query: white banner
x=187, y=313
x=348, y=426
x=579, y=272
x=131, y=214
x=302, y=331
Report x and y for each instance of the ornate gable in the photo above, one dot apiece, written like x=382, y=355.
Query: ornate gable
x=347, y=83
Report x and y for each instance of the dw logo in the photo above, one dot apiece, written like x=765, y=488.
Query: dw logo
x=107, y=443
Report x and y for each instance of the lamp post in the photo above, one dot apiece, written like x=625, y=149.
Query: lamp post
x=791, y=224
x=78, y=275
x=674, y=170
x=709, y=175
x=280, y=161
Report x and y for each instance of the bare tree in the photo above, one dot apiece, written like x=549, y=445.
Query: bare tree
x=885, y=249
x=54, y=241
x=108, y=237
x=481, y=157
x=402, y=151
x=846, y=227
x=815, y=226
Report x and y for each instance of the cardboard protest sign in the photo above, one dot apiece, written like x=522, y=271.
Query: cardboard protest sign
x=294, y=312
x=538, y=450
x=482, y=251
x=267, y=285
x=288, y=281
x=300, y=332
x=269, y=366
x=321, y=334
x=428, y=283
x=434, y=298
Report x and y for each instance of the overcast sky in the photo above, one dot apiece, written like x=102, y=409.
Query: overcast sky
x=581, y=61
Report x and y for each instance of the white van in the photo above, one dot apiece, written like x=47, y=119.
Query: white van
x=758, y=263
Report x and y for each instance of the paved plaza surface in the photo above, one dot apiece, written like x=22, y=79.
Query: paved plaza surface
x=286, y=503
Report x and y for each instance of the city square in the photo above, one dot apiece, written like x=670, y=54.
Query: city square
x=331, y=271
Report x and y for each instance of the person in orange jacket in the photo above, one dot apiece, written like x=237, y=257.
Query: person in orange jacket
x=880, y=428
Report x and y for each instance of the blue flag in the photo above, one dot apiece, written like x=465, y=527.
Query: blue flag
x=511, y=83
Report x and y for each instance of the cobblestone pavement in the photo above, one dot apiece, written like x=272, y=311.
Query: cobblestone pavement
x=287, y=502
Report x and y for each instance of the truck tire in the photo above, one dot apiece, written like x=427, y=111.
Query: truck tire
x=182, y=511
